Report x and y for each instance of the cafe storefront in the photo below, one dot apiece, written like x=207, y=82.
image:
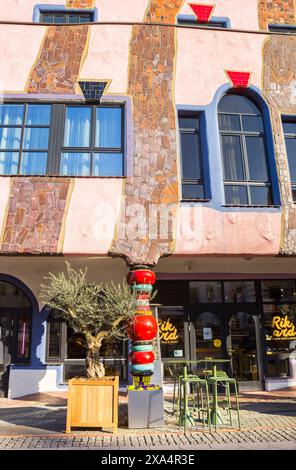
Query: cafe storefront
x=252, y=323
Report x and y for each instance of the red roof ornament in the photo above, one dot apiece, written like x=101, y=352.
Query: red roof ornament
x=203, y=12
x=239, y=79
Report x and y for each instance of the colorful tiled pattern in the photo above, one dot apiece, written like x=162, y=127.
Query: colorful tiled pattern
x=35, y=215
x=239, y=79
x=276, y=11
x=203, y=12
x=80, y=3
x=92, y=90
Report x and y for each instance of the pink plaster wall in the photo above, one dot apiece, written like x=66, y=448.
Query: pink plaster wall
x=22, y=10
x=108, y=56
x=4, y=198
x=92, y=215
x=242, y=14
x=204, y=55
x=207, y=231
x=19, y=47
x=121, y=10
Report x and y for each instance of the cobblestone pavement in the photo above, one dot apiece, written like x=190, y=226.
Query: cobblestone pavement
x=38, y=422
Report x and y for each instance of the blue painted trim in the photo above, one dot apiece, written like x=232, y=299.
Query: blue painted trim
x=42, y=8
x=281, y=26
x=212, y=137
x=191, y=19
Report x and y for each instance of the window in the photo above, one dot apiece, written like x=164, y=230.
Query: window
x=192, y=171
x=282, y=28
x=289, y=128
x=190, y=20
x=63, y=17
x=85, y=140
x=245, y=165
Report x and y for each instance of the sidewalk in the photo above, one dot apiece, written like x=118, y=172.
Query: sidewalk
x=38, y=422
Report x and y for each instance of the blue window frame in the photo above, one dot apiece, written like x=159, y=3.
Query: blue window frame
x=282, y=28
x=246, y=172
x=191, y=156
x=215, y=22
x=59, y=14
x=59, y=139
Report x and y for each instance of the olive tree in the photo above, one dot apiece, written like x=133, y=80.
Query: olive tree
x=97, y=311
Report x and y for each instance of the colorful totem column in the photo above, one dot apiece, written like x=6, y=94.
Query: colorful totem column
x=142, y=329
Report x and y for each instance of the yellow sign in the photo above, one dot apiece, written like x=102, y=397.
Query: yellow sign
x=167, y=332
x=217, y=343
x=283, y=328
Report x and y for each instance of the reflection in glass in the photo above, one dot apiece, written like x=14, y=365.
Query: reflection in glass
x=33, y=163
x=23, y=336
x=55, y=337
x=108, y=164
x=108, y=127
x=279, y=291
x=10, y=138
x=11, y=114
x=171, y=333
x=229, y=122
x=38, y=115
x=208, y=337
x=291, y=153
x=192, y=191
x=257, y=158
x=75, y=164
x=191, y=164
x=205, y=292
x=9, y=163
x=243, y=347
x=12, y=297
x=78, y=126
x=36, y=138
x=236, y=195
x=239, y=291
x=261, y=195
x=232, y=158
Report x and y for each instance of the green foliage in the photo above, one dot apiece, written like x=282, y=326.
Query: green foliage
x=96, y=310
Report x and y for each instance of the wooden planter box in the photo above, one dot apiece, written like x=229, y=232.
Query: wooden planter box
x=93, y=403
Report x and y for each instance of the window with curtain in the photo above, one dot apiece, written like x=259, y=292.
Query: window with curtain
x=191, y=157
x=56, y=139
x=245, y=163
x=289, y=128
x=24, y=138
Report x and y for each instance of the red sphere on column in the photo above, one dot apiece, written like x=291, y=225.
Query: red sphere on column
x=142, y=328
x=141, y=276
x=141, y=357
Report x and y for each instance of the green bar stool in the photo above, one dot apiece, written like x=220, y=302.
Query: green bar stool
x=220, y=377
x=200, y=401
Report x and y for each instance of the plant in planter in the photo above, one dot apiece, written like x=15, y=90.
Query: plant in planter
x=97, y=311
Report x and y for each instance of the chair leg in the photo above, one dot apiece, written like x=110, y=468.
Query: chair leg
x=174, y=393
x=229, y=402
x=215, y=404
x=237, y=406
x=208, y=407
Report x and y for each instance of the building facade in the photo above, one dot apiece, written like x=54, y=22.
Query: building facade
x=150, y=133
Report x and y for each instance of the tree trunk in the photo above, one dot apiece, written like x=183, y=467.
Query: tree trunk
x=94, y=367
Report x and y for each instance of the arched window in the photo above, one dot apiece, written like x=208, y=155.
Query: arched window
x=245, y=164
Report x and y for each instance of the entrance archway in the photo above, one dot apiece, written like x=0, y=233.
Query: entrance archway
x=15, y=329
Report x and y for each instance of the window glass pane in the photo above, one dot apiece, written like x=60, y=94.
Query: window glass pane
x=229, y=122
x=252, y=123
x=171, y=332
x=232, y=158
x=192, y=191
x=23, y=336
x=294, y=193
x=191, y=168
x=257, y=158
x=261, y=195
x=208, y=331
x=11, y=114
x=188, y=122
x=73, y=19
x=243, y=347
x=85, y=19
x=78, y=127
x=55, y=337
x=76, y=345
x=9, y=163
x=108, y=127
x=75, y=164
x=280, y=329
x=236, y=195
x=279, y=291
x=239, y=291
x=33, y=163
x=12, y=296
x=10, y=138
x=291, y=152
x=36, y=138
x=59, y=19
x=108, y=164
x=289, y=127
x=47, y=19
x=38, y=115
x=237, y=104
x=205, y=292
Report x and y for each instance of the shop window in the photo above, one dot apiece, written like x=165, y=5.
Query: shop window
x=84, y=140
x=289, y=127
x=171, y=332
x=208, y=336
x=279, y=291
x=246, y=172
x=243, y=347
x=204, y=292
x=191, y=157
x=280, y=331
x=239, y=291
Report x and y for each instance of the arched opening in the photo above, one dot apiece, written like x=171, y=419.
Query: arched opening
x=15, y=329
x=243, y=347
x=246, y=169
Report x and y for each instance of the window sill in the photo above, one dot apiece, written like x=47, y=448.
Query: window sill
x=252, y=206
x=195, y=200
